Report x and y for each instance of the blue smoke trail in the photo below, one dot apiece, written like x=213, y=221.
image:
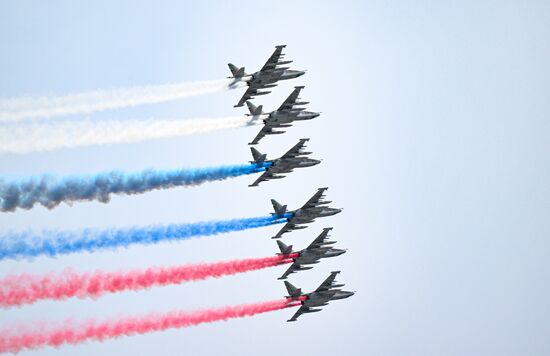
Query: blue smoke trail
x=53, y=243
x=50, y=192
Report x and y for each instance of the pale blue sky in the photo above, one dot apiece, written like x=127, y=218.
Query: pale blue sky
x=435, y=139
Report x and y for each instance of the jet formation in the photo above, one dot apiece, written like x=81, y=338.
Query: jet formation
x=274, y=123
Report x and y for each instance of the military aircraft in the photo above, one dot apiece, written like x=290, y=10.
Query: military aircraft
x=282, y=117
x=267, y=77
x=312, y=209
x=310, y=255
x=294, y=158
x=327, y=291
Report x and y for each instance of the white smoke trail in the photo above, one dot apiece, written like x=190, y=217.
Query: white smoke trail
x=46, y=136
x=22, y=108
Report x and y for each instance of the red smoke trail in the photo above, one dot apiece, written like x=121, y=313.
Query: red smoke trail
x=16, y=340
x=21, y=289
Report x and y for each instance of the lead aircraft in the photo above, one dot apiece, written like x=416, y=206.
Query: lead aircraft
x=273, y=71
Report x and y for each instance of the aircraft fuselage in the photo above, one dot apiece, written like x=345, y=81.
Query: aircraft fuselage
x=312, y=257
x=318, y=299
x=273, y=76
x=310, y=214
x=287, y=117
x=291, y=163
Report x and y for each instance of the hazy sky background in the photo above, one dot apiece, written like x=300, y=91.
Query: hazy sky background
x=434, y=136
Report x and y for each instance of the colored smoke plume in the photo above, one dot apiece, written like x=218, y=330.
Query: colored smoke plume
x=26, y=289
x=15, y=339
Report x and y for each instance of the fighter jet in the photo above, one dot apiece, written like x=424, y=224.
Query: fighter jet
x=267, y=77
x=314, y=208
x=327, y=291
x=310, y=255
x=282, y=117
x=294, y=158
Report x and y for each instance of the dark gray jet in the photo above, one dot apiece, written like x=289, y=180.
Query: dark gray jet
x=314, y=208
x=318, y=249
x=267, y=77
x=294, y=158
x=327, y=291
x=283, y=117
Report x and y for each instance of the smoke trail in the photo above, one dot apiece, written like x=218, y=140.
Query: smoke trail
x=29, y=137
x=50, y=192
x=25, y=289
x=17, y=109
x=53, y=243
x=32, y=337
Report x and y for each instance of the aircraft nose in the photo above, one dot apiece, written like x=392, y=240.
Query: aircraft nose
x=349, y=294
x=341, y=251
x=315, y=114
x=301, y=72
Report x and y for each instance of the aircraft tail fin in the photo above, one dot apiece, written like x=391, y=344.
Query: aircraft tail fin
x=254, y=110
x=259, y=158
x=293, y=292
x=237, y=72
x=279, y=209
x=285, y=250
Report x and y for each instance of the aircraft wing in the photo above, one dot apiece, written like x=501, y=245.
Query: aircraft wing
x=274, y=59
x=289, y=103
x=319, y=241
x=315, y=199
x=249, y=94
x=327, y=284
x=266, y=130
x=267, y=175
x=288, y=227
x=296, y=150
x=299, y=312
x=263, y=177
x=293, y=267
